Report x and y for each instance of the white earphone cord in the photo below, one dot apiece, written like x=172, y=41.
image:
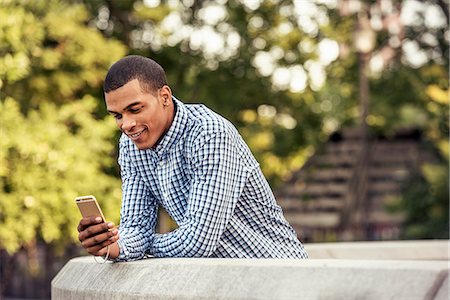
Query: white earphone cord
x=105, y=259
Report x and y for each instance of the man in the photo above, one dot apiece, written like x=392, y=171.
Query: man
x=195, y=164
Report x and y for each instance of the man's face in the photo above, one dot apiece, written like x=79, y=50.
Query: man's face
x=144, y=117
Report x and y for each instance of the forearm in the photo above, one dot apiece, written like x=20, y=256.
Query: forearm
x=181, y=243
x=192, y=239
x=133, y=243
x=136, y=231
x=114, y=251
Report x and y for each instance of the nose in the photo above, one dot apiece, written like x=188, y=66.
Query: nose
x=127, y=124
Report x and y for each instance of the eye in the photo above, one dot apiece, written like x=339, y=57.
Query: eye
x=117, y=117
x=135, y=110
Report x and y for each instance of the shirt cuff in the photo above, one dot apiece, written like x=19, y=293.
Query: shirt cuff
x=123, y=253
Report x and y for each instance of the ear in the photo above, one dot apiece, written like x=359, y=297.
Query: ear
x=166, y=95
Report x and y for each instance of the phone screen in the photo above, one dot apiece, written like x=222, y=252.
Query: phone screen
x=89, y=207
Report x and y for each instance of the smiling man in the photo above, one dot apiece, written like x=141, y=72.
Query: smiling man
x=194, y=163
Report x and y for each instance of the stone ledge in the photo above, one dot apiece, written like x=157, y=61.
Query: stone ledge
x=182, y=278
x=409, y=250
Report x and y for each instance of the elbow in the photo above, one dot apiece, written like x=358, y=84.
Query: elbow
x=198, y=253
x=200, y=247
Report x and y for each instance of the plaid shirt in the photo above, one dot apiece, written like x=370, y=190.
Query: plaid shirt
x=205, y=176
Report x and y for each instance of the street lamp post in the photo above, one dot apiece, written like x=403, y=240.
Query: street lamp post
x=364, y=40
x=364, y=43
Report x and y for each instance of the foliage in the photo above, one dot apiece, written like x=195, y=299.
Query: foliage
x=279, y=122
x=48, y=54
x=255, y=62
x=47, y=159
x=53, y=147
x=252, y=68
x=425, y=200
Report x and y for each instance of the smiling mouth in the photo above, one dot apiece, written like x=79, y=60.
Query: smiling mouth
x=136, y=135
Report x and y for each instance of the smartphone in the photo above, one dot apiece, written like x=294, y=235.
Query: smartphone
x=89, y=207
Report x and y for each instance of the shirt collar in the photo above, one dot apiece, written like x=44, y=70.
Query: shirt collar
x=175, y=131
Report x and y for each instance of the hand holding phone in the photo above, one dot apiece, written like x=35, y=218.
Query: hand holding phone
x=95, y=234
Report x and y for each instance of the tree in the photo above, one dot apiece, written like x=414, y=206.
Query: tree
x=409, y=88
x=286, y=72
x=217, y=53
x=55, y=142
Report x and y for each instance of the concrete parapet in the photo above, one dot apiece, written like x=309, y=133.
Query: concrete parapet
x=182, y=278
x=410, y=250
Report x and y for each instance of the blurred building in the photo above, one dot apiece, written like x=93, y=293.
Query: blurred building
x=344, y=191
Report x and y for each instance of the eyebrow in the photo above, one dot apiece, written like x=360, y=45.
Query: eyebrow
x=126, y=108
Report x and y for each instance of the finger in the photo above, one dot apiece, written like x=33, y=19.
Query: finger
x=105, y=244
x=99, y=239
x=94, y=250
x=89, y=221
x=102, y=249
x=95, y=230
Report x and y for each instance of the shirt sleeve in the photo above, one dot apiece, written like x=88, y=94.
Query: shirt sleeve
x=138, y=211
x=218, y=181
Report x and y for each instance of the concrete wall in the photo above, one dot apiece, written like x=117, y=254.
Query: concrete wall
x=411, y=250
x=83, y=278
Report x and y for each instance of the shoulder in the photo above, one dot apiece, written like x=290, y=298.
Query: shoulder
x=209, y=131
x=205, y=128
x=204, y=122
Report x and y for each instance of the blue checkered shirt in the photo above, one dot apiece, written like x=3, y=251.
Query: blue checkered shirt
x=205, y=176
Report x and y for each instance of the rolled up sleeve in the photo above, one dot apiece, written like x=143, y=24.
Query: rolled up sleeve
x=217, y=184
x=138, y=211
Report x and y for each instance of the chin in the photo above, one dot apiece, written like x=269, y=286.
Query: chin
x=142, y=146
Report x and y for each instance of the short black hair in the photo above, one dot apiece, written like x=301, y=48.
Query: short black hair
x=149, y=73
